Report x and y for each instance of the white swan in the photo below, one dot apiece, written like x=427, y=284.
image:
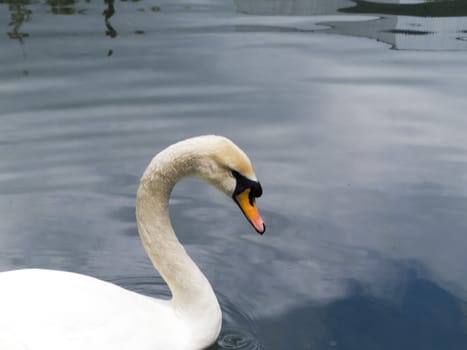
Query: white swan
x=57, y=310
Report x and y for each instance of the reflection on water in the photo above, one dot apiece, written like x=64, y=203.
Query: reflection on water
x=290, y=7
x=410, y=319
x=19, y=14
x=108, y=13
x=405, y=24
x=64, y=7
x=417, y=8
x=423, y=25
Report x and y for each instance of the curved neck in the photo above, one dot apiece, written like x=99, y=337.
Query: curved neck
x=191, y=291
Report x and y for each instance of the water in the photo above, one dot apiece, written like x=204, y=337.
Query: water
x=353, y=113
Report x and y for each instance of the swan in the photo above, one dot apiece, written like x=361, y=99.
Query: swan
x=56, y=310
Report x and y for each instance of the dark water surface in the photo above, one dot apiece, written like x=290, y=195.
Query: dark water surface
x=354, y=113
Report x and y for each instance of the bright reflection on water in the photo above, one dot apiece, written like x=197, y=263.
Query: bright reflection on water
x=361, y=151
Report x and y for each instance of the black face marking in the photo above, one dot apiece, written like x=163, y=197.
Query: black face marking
x=243, y=183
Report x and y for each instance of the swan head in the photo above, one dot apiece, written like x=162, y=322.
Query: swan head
x=228, y=168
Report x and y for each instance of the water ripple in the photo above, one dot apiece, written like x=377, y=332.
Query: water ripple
x=239, y=326
x=234, y=338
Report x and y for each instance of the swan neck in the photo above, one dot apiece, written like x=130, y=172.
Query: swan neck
x=191, y=291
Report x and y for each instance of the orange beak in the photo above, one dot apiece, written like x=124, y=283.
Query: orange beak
x=247, y=204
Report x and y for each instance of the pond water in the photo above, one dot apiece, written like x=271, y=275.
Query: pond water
x=353, y=113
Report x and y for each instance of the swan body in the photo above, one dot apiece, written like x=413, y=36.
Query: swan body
x=82, y=312
x=56, y=310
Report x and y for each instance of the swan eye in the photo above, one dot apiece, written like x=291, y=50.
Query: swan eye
x=236, y=174
x=244, y=183
x=240, y=178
